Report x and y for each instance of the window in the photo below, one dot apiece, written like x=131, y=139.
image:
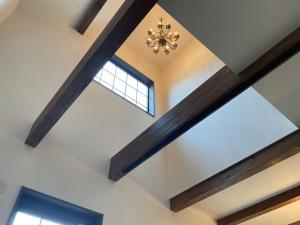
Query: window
x=27, y=219
x=125, y=81
x=34, y=208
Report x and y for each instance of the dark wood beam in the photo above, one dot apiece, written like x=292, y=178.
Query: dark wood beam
x=296, y=223
x=263, y=207
x=113, y=36
x=90, y=14
x=259, y=161
x=213, y=94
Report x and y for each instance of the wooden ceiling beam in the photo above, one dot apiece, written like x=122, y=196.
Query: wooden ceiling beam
x=259, y=161
x=89, y=16
x=113, y=36
x=213, y=94
x=268, y=205
x=295, y=223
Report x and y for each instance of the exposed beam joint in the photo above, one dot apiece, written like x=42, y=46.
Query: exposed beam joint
x=113, y=36
x=89, y=16
x=259, y=161
x=268, y=205
x=213, y=94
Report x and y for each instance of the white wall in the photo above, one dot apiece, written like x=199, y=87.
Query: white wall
x=282, y=88
x=72, y=161
x=51, y=171
x=191, y=67
x=7, y=7
x=243, y=126
x=237, y=31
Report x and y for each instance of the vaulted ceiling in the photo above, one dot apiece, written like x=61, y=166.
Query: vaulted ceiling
x=238, y=46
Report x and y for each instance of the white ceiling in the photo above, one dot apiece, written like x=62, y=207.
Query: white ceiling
x=237, y=31
x=64, y=14
x=68, y=12
x=282, y=88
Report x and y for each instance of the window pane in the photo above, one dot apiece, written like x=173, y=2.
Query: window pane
x=48, y=222
x=121, y=74
x=119, y=92
x=120, y=85
x=131, y=100
x=131, y=92
x=23, y=218
x=142, y=107
x=97, y=77
x=109, y=66
x=143, y=88
x=132, y=81
x=107, y=77
x=142, y=99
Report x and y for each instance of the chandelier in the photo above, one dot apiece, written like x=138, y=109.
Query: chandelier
x=163, y=38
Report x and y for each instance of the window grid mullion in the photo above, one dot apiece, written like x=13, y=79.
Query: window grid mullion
x=113, y=86
x=136, y=93
x=119, y=89
x=107, y=84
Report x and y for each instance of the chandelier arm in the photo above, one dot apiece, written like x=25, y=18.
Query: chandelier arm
x=157, y=44
x=173, y=39
x=153, y=36
x=169, y=39
x=172, y=47
x=153, y=44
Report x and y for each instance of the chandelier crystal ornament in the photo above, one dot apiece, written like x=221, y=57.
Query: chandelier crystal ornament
x=163, y=38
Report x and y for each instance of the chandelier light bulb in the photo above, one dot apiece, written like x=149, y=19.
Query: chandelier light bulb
x=176, y=36
x=174, y=45
x=160, y=24
x=156, y=50
x=148, y=41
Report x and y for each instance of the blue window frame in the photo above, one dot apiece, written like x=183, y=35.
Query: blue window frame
x=128, y=83
x=35, y=208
